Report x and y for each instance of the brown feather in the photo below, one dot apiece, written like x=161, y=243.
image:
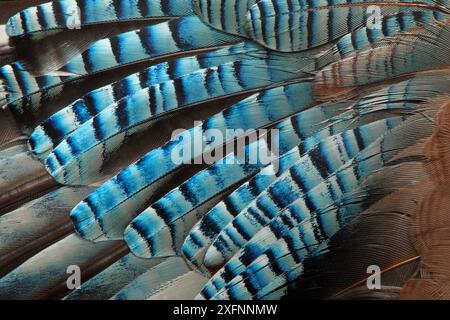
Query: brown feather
x=430, y=230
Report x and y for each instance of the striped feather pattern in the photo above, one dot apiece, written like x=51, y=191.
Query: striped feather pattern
x=69, y=14
x=353, y=98
x=27, y=94
x=298, y=25
x=116, y=201
x=306, y=124
x=400, y=98
x=226, y=15
x=75, y=160
x=413, y=51
x=59, y=125
x=312, y=169
x=320, y=200
x=123, y=272
x=295, y=214
x=149, y=233
x=405, y=96
x=156, y=232
x=365, y=37
x=161, y=229
x=283, y=261
x=155, y=280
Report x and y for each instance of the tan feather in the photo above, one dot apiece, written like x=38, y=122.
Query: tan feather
x=430, y=230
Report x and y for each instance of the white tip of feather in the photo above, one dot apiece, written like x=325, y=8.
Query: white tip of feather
x=59, y=73
x=213, y=258
x=4, y=38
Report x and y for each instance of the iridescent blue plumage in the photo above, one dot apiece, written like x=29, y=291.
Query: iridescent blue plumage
x=27, y=95
x=62, y=15
x=59, y=125
x=317, y=201
x=71, y=162
x=351, y=94
x=140, y=177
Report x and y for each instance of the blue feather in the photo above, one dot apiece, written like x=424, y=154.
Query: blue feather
x=312, y=169
x=51, y=132
x=62, y=15
x=75, y=160
x=27, y=95
x=317, y=201
x=115, y=200
x=290, y=25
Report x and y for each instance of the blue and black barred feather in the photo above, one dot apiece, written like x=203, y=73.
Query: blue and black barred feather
x=63, y=15
x=134, y=111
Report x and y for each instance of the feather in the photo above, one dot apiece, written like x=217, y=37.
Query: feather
x=429, y=221
x=57, y=49
x=378, y=237
x=365, y=37
x=160, y=230
x=36, y=225
x=22, y=178
x=11, y=7
x=292, y=216
x=436, y=148
x=398, y=98
x=60, y=124
x=134, y=110
x=308, y=126
x=321, y=163
x=289, y=25
x=225, y=15
x=301, y=160
x=320, y=199
x=44, y=275
x=12, y=151
x=289, y=267
x=162, y=277
x=122, y=197
x=26, y=94
x=109, y=129
x=60, y=30
x=10, y=134
x=408, y=52
x=113, y=279
x=423, y=88
x=63, y=15
x=362, y=293
x=181, y=288
x=7, y=52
